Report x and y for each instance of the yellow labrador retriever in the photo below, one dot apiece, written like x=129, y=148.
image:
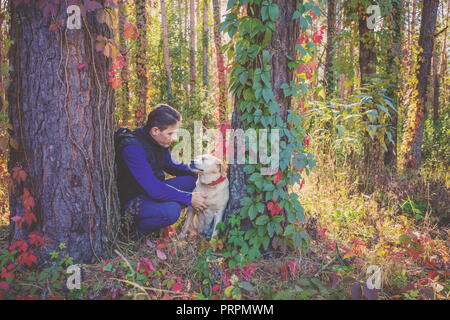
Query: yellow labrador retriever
x=212, y=180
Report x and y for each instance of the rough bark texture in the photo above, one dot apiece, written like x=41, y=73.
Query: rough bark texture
x=166, y=49
x=62, y=119
x=192, y=67
x=205, y=42
x=393, y=67
x=416, y=115
x=223, y=92
x=367, y=68
x=125, y=90
x=141, y=63
x=331, y=26
x=436, y=86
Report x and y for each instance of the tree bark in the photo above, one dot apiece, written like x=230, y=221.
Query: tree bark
x=166, y=49
x=331, y=27
x=223, y=92
x=141, y=62
x=205, y=38
x=63, y=120
x=192, y=67
x=393, y=67
x=412, y=142
x=436, y=85
x=125, y=90
x=367, y=68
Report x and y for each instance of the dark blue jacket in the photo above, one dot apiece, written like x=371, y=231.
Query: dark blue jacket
x=141, y=169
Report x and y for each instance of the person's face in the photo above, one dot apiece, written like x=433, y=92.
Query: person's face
x=166, y=137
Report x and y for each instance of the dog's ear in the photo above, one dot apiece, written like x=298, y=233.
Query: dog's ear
x=223, y=169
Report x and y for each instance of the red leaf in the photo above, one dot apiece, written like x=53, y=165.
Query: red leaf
x=35, y=239
x=307, y=141
x=81, y=66
x=27, y=199
x=284, y=272
x=293, y=267
x=148, y=264
x=161, y=254
x=177, y=286
x=301, y=68
x=18, y=221
x=130, y=30
x=29, y=217
x=5, y=274
x=4, y=285
x=278, y=177
x=317, y=38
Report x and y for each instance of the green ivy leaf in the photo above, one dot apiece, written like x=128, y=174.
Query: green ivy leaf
x=262, y=220
x=273, y=12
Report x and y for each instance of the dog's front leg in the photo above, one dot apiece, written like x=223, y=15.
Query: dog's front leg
x=217, y=218
x=187, y=224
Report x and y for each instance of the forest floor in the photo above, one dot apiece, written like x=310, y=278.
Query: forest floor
x=396, y=230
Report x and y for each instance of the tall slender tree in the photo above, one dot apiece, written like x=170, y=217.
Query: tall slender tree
x=192, y=33
x=331, y=28
x=412, y=140
x=166, y=49
x=393, y=69
x=223, y=92
x=367, y=69
x=205, y=43
x=124, y=95
x=141, y=62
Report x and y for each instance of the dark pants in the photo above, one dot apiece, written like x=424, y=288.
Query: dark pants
x=156, y=214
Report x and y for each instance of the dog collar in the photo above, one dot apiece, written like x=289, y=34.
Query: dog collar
x=217, y=181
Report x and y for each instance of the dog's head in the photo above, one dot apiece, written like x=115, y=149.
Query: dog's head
x=208, y=167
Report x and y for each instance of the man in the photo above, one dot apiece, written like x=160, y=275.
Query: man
x=144, y=157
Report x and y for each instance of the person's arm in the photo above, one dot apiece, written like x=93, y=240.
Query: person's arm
x=134, y=157
x=180, y=169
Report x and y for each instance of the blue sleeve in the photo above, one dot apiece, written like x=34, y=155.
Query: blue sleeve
x=134, y=157
x=180, y=169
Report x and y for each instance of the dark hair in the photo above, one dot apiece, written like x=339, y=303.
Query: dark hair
x=162, y=116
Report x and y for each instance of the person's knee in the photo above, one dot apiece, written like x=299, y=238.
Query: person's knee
x=192, y=181
x=173, y=212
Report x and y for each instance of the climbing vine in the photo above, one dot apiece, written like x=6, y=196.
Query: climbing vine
x=275, y=214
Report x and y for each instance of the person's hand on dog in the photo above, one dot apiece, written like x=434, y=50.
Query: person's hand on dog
x=198, y=201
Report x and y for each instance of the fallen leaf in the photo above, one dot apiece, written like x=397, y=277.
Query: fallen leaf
x=161, y=254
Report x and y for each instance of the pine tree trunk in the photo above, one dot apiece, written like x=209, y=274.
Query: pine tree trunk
x=166, y=49
x=62, y=119
x=125, y=90
x=367, y=68
x=205, y=42
x=141, y=63
x=393, y=66
x=223, y=92
x=443, y=69
x=331, y=26
x=192, y=67
x=436, y=86
x=412, y=143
